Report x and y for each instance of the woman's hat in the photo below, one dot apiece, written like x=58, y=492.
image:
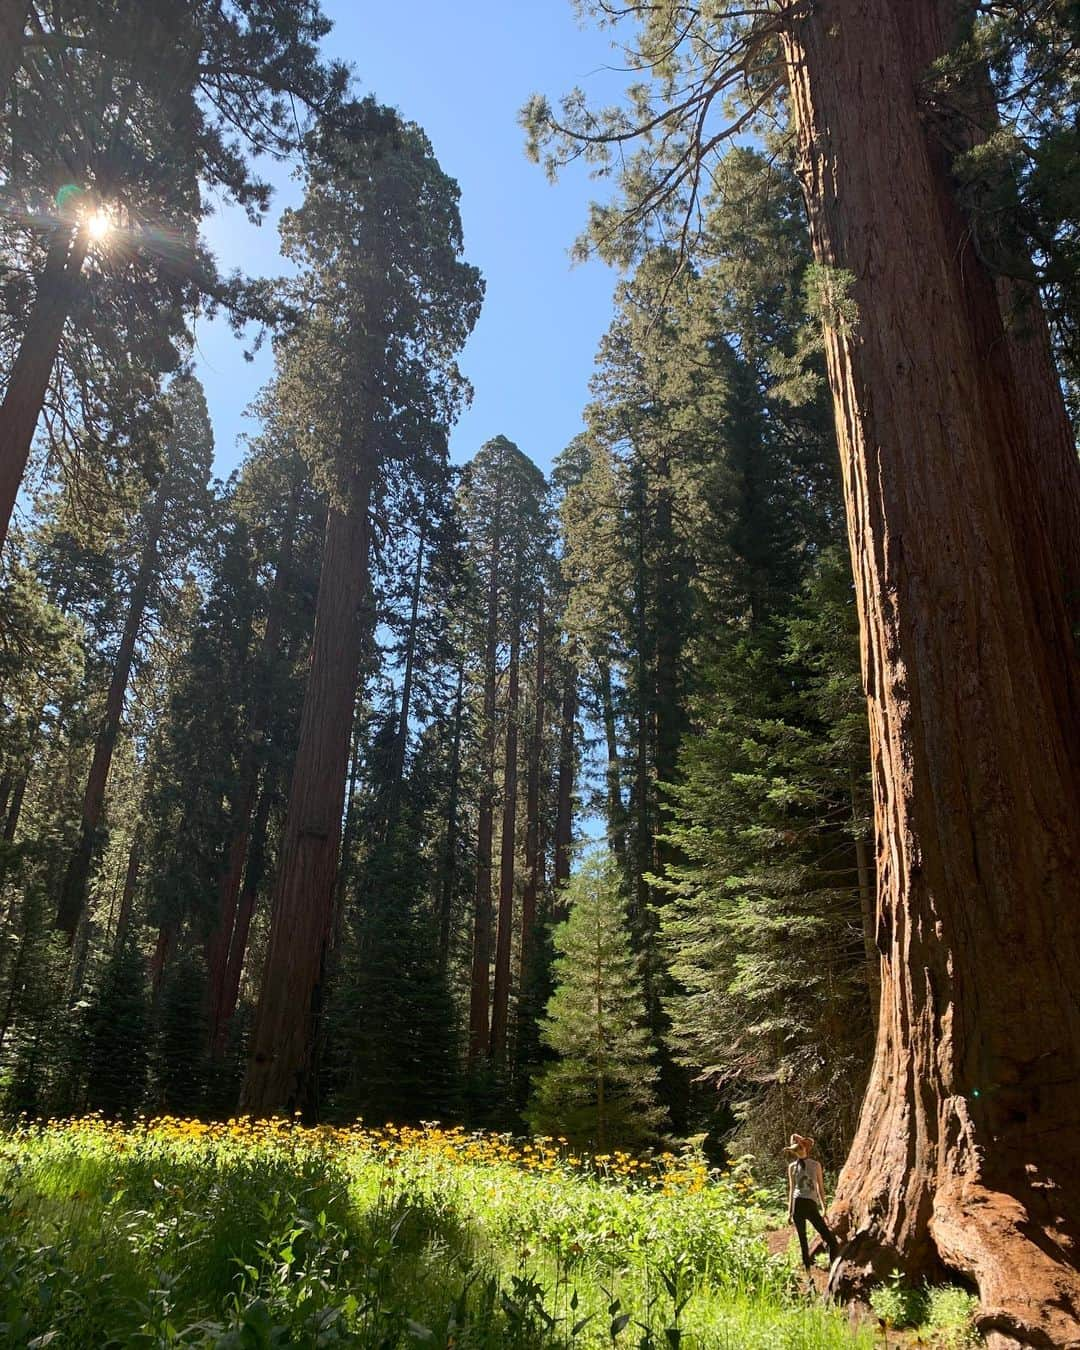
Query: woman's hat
x=799, y=1142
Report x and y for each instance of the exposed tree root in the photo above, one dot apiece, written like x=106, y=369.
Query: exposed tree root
x=1025, y=1271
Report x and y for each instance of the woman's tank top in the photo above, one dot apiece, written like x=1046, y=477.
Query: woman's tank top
x=803, y=1181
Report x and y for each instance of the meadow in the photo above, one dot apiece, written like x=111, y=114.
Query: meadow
x=177, y=1232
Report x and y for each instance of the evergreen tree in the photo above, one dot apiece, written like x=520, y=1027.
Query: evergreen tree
x=601, y=1091
x=118, y=1030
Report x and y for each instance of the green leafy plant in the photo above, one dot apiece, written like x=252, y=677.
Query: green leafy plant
x=897, y=1303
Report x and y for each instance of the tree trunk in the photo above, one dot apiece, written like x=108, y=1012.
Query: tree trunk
x=865, y=881
x=449, y=873
x=932, y=28
x=165, y=940
x=534, y=863
x=564, y=809
x=967, y=1153
x=13, y=16
x=283, y=1040
x=29, y=379
x=612, y=777
x=479, y=984
x=73, y=891
x=220, y=941
x=127, y=898
x=11, y=820
x=500, y=1008
x=245, y=909
x=401, y=741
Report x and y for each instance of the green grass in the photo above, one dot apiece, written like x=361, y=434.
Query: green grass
x=257, y=1236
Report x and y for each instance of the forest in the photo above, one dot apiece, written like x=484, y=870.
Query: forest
x=418, y=868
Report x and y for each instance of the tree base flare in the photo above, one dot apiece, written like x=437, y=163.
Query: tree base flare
x=1024, y=1269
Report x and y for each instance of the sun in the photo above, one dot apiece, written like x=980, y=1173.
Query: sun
x=99, y=226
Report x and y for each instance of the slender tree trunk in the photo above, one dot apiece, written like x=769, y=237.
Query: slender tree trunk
x=127, y=897
x=479, y=986
x=220, y=940
x=642, y=816
x=612, y=777
x=11, y=820
x=449, y=869
x=302, y=922
x=29, y=378
x=564, y=809
x=162, y=949
x=73, y=891
x=401, y=741
x=967, y=1152
x=500, y=1009
x=13, y=16
x=534, y=863
x=245, y=909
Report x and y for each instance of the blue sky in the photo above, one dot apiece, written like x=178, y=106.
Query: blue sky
x=462, y=71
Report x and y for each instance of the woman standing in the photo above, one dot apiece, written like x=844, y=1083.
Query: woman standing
x=806, y=1196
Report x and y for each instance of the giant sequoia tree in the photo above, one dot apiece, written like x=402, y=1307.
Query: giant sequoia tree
x=961, y=503
x=372, y=386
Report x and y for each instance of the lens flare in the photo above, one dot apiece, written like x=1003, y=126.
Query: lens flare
x=99, y=226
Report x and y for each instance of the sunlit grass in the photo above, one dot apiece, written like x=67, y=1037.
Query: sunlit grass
x=182, y=1232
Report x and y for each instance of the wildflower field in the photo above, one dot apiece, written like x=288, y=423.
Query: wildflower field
x=258, y=1234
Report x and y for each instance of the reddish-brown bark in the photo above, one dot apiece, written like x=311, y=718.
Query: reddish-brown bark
x=450, y=846
x=166, y=940
x=29, y=378
x=127, y=897
x=401, y=740
x=534, y=861
x=500, y=1000
x=220, y=940
x=967, y=1153
x=480, y=980
x=73, y=891
x=966, y=117
x=564, y=806
x=245, y=909
x=612, y=776
x=303, y=912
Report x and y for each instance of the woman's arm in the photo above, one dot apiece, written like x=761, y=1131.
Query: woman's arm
x=790, y=1190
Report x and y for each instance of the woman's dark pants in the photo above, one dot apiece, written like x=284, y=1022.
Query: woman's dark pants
x=806, y=1211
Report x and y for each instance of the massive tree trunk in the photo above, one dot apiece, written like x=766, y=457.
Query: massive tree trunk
x=500, y=1002
x=534, y=862
x=966, y=116
x=73, y=891
x=480, y=980
x=29, y=378
x=303, y=913
x=864, y=881
x=967, y=1154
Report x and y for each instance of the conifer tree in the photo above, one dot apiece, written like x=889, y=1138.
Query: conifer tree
x=601, y=1091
